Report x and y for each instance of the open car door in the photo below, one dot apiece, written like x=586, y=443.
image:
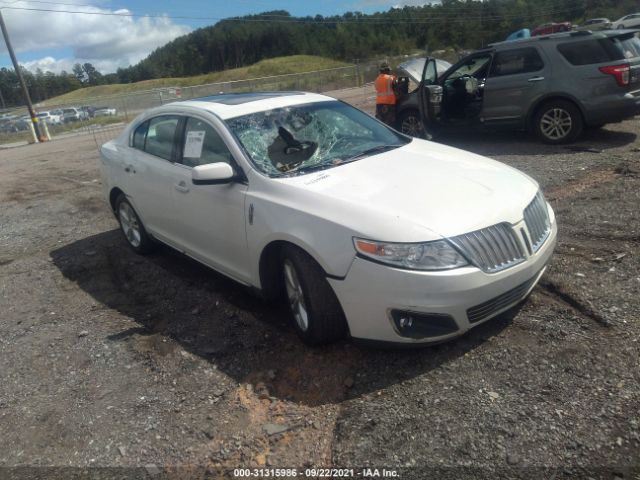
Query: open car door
x=430, y=94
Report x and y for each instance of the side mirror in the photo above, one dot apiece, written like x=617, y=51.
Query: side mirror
x=212, y=174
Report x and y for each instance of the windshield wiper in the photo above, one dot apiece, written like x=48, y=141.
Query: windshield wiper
x=372, y=151
x=341, y=161
x=312, y=168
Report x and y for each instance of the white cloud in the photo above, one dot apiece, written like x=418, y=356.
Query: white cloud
x=108, y=42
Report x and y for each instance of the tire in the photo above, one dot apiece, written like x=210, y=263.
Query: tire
x=132, y=228
x=315, y=310
x=620, y=27
x=557, y=122
x=411, y=124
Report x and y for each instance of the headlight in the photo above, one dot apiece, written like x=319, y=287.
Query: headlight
x=437, y=255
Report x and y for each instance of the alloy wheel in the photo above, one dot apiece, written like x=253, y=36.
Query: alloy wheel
x=295, y=296
x=129, y=224
x=411, y=125
x=556, y=123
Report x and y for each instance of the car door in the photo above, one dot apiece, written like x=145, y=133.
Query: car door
x=463, y=87
x=149, y=172
x=429, y=93
x=516, y=78
x=211, y=218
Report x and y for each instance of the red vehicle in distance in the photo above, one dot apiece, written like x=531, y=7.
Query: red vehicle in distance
x=553, y=27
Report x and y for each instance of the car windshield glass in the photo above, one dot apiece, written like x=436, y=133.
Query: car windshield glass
x=303, y=138
x=470, y=67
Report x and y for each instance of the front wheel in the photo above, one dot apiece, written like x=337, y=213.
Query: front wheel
x=620, y=27
x=317, y=315
x=411, y=124
x=557, y=121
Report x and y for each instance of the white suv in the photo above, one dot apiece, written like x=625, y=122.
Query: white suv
x=628, y=21
x=364, y=230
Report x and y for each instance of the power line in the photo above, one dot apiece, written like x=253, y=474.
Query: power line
x=268, y=18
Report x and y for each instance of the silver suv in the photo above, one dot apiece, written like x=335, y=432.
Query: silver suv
x=552, y=85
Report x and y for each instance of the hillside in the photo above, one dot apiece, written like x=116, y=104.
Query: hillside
x=453, y=24
x=354, y=36
x=264, y=68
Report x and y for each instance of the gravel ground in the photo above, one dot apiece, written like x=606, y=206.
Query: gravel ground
x=156, y=366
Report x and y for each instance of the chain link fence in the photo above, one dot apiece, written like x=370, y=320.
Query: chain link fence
x=105, y=116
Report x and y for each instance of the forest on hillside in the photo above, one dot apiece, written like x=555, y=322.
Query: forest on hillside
x=351, y=37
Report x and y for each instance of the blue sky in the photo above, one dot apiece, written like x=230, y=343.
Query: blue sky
x=55, y=40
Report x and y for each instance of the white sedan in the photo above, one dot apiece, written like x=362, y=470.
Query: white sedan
x=366, y=232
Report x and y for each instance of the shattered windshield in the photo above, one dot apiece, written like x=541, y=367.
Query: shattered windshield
x=303, y=138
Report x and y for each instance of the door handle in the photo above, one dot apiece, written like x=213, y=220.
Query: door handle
x=182, y=187
x=535, y=79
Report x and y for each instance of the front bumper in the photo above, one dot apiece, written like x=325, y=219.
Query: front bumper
x=370, y=292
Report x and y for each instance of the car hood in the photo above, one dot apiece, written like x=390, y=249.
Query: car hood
x=419, y=192
x=413, y=68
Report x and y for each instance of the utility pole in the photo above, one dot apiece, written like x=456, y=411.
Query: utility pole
x=25, y=91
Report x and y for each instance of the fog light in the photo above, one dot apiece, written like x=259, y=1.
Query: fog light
x=405, y=322
x=422, y=325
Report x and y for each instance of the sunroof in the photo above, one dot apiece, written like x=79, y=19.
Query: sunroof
x=240, y=98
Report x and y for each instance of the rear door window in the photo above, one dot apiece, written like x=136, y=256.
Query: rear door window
x=512, y=62
x=161, y=136
x=140, y=135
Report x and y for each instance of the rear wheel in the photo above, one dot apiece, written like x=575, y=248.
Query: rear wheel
x=558, y=121
x=317, y=315
x=132, y=228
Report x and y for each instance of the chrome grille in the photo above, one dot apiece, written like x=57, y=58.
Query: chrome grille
x=536, y=216
x=491, y=249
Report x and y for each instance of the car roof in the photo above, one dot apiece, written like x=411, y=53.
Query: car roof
x=573, y=35
x=230, y=105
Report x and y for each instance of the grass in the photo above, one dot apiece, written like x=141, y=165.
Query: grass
x=264, y=68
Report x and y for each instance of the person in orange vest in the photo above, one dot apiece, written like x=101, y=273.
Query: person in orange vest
x=386, y=95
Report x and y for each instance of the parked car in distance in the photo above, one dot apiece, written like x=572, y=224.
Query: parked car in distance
x=73, y=114
x=104, y=111
x=58, y=113
x=21, y=124
x=7, y=126
x=628, y=21
x=552, y=27
x=88, y=111
x=365, y=231
x=553, y=86
x=595, y=24
x=50, y=117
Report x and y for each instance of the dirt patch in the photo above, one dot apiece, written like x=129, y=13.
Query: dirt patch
x=143, y=363
x=577, y=186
